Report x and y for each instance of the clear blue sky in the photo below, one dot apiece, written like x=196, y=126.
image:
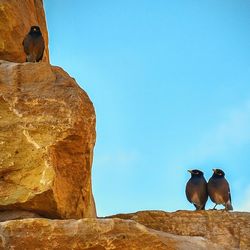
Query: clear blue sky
x=170, y=82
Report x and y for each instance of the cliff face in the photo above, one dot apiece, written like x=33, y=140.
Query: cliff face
x=47, y=126
x=16, y=19
x=47, y=135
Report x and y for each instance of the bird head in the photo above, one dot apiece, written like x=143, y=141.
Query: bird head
x=35, y=30
x=218, y=172
x=195, y=172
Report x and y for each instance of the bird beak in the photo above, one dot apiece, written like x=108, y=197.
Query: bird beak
x=190, y=171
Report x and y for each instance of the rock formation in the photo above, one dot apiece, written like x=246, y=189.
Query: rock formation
x=92, y=234
x=230, y=230
x=16, y=18
x=17, y=215
x=47, y=135
x=157, y=230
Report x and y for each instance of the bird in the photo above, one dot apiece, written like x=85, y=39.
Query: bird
x=219, y=190
x=33, y=45
x=196, y=189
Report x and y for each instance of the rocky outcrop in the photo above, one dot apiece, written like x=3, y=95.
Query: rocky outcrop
x=47, y=135
x=92, y=234
x=16, y=19
x=230, y=230
x=148, y=230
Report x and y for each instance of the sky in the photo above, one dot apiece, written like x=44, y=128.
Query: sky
x=170, y=82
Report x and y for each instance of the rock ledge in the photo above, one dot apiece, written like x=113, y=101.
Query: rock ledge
x=148, y=230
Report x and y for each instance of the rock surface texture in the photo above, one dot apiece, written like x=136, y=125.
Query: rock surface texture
x=16, y=18
x=230, y=230
x=157, y=230
x=47, y=135
x=91, y=234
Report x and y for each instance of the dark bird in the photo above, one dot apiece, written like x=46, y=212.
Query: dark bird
x=196, y=189
x=218, y=189
x=33, y=45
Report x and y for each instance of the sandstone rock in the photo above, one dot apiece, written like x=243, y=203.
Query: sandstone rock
x=92, y=234
x=230, y=230
x=16, y=19
x=181, y=230
x=47, y=135
x=16, y=215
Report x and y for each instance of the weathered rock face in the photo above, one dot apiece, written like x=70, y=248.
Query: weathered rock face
x=16, y=215
x=47, y=135
x=92, y=234
x=230, y=230
x=16, y=19
x=152, y=230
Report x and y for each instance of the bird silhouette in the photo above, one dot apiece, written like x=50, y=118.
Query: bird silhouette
x=218, y=189
x=196, y=189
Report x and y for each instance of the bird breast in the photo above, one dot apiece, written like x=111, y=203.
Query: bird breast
x=195, y=198
x=218, y=198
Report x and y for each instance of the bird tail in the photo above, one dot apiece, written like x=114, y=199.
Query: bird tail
x=203, y=207
x=229, y=206
x=200, y=207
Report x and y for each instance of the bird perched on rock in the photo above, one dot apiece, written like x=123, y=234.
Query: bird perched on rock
x=218, y=189
x=196, y=189
x=33, y=45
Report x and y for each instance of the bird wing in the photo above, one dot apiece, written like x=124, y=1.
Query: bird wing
x=189, y=191
x=41, y=49
x=25, y=43
x=224, y=190
x=229, y=194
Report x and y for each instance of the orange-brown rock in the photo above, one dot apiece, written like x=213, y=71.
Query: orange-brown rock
x=230, y=230
x=16, y=215
x=92, y=234
x=47, y=136
x=150, y=230
x=16, y=18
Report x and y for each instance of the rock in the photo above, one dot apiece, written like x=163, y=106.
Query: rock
x=17, y=215
x=180, y=230
x=92, y=234
x=230, y=230
x=47, y=136
x=16, y=19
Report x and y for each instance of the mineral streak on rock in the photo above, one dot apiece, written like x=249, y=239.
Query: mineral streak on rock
x=47, y=136
x=16, y=18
